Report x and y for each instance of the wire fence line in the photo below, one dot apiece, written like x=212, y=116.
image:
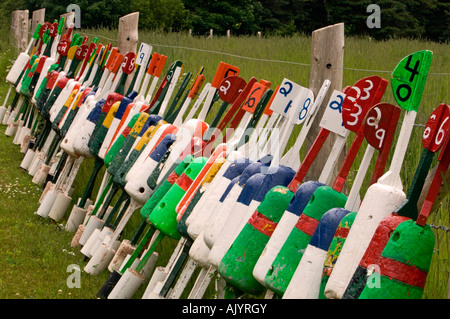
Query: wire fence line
x=444, y=228
x=248, y=58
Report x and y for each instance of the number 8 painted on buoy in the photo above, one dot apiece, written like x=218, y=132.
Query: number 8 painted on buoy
x=128, y=62
x=304, y=111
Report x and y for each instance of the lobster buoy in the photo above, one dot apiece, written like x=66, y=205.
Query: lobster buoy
x=164, y=215
x=284, y=227
x=237, y=264
x=403, y=264
x=290, y=254
x=305, y=283
x=161, y=191
x=335, y=247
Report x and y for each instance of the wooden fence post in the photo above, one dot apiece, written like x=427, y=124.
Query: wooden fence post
x=69, y=20
x=128, y=37
x=38, y=16
x=327, y=61
x=19, y=29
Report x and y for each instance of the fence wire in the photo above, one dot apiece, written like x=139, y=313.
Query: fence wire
x=245, y=57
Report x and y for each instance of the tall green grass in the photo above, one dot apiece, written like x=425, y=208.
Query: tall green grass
x=275, y=58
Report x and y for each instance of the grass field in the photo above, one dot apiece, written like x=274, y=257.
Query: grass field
x=37, y=252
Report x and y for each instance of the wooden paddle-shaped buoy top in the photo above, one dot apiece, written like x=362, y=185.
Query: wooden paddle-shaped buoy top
x=223, y=70
x=154, y=69
x=407, y=82
x=403, y=253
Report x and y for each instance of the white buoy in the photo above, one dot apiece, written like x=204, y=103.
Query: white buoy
x=128, y=284
x=18, y=132
x=11, y=129
x=93, y=223
x=75, y=219
x=36, y=163
x=98, y=238
x=125, y=249
x=2, y=113
x=158, y=277
x=41, y=175
x=60, y=207
x=26, y=139
x=28, y=158
x=101, y=259
x=89, y=242
x=47, y=203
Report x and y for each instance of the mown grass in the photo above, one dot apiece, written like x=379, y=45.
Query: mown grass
x=361, y=53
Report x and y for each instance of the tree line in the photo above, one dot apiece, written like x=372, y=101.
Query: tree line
x=426, y=19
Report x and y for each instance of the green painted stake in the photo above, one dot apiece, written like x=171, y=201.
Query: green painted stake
x=149, y=252
x=90, y=185
x=116, y=155
x=177, y=97
x=125, y=198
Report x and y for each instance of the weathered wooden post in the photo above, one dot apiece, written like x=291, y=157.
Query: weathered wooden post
x=128, y=37
x=37, y=17
x=69, y=20
x=19, y=26
x=327, y=61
